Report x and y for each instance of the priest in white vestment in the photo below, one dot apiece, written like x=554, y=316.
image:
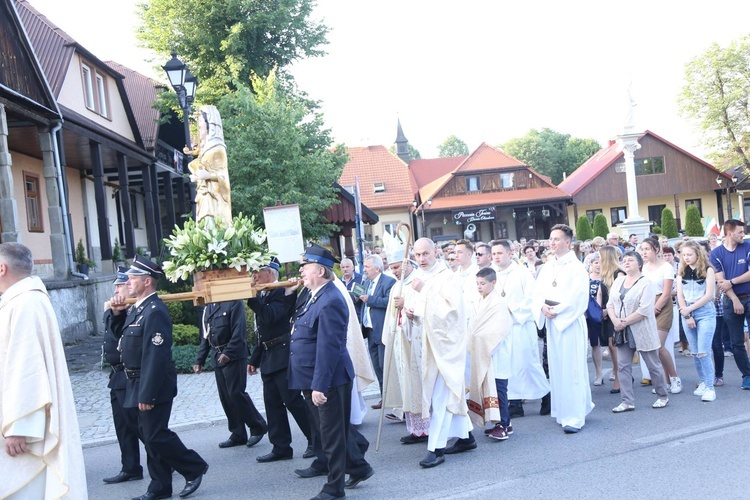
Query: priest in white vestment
x=560, y=301
x=40, y=447
x=439, y=310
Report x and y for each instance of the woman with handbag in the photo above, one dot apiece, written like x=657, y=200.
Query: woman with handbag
x=610, y=270
x=594, y=316
x=631, y=308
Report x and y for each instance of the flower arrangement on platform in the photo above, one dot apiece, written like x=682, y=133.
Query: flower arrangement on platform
x=208, y=245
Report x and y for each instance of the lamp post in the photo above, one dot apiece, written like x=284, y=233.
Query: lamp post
x=734, y=180
x=184, y=84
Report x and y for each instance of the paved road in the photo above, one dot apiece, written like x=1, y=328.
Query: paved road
x=688, y=450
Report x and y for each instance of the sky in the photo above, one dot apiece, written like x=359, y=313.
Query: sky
x=483, y=70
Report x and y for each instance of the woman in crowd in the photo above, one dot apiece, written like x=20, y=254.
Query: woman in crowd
x=631, y=307
x=594, y=326
x=609, y=261
x=661, y=275
x=530, y=258
x=713, y=241
x=695, y=293
x=668, y=254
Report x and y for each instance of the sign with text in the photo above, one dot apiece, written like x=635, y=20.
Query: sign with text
x=284, y=230
x=475, y=215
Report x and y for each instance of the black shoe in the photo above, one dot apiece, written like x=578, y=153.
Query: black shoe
x=516, y=411
x=310, y=472
x=229, y=443
x=355, y=480
x=569, y=429
x=461, y=445
x=412, y=439
x=254, y=440
x=191, y=486
x=433, y=459
x=546, y=408
x=153, y=496
x=309, y=452
x=273, y=457
x=325, y=496
x=122, y=477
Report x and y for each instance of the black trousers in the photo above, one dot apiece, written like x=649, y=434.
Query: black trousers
x=278, y=398
x=165, y=450
x=231, y=380
x=339, y=447
x=126, y=428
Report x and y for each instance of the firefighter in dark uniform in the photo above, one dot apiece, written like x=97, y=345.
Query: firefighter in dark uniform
x=125, y=419
x=223, y=329
x=273, y=310
x=151, y=385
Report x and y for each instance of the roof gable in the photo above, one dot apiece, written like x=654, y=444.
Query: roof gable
x=141, y=92
x=375, y=164
x=485, y=157
x=426, y=171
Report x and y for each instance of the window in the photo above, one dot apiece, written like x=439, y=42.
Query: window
x=617, y=215
x=435, y=231
x=648, y=166
x=379, y=187
x=133, y=211
x=88, y=87
x=33, y=203
x=697, y=203
x=506, y=181
x=472, y=183
x=390, y=228
x=654, y=213
x=94, y=89
x=592, y=213
x=101, y=95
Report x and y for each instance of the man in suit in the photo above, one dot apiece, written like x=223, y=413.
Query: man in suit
x=378, y=287
x=321, y=368
x=223, y=329
x=125, y=419
x=146, y=347
x=273, y=311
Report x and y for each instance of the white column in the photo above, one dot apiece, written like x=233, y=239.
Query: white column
x=628, y=144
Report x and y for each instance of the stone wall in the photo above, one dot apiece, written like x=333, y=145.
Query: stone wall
x=79, y=305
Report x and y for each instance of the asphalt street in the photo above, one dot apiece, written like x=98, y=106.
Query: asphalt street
x=690, y=449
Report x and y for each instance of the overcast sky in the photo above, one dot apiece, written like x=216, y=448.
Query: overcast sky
x=479, y=69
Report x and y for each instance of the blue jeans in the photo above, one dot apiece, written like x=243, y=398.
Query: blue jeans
x=501, y=384
x=736, y=326
x=700, y=339
x=718, y=348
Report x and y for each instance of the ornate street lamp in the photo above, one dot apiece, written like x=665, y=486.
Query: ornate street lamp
x=184, y=84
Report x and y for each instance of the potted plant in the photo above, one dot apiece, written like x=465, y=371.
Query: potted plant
x=117, y=259
x=82, y=261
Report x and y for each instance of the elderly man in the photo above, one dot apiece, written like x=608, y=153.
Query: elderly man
x=614, y=240
x=560, y=302
x=375, y=301
x=321, y=368
x=483, y=253
x=40, y=446
x=438, y=310
x=350, y=278
x=273, y=311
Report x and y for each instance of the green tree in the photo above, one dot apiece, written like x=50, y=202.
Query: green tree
x=716, y=96
x=223, y=41
x=278, y=150
x=583, y=229
x=668, y=225
x=413, y=152
x=600, y=226
x=551, y=153
x=453, y=146
x=693, y=225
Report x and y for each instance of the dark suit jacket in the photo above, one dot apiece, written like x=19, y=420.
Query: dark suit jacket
x=356, y=278
x=378, y=303
x=272, y=315
x=147, y=346
x=318, y=358
x=227, y=324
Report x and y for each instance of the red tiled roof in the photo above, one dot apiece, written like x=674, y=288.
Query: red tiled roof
x=485, y=157
x=376, y=164
x=426, y=171
x=141, y=91
x=535, y=195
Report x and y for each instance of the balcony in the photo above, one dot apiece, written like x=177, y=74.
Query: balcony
x=169, y=156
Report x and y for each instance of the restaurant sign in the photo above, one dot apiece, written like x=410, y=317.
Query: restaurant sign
x=477, y=215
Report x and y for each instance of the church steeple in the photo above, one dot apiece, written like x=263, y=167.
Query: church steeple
x=402, y=144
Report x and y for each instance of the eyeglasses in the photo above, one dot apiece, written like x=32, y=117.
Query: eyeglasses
x=480, y=254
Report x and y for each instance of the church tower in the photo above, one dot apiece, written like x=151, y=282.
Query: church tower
x=402, y=145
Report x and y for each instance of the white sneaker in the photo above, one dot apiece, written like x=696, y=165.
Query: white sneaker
x=700, y=390
x=676, y=386
x=709, y=394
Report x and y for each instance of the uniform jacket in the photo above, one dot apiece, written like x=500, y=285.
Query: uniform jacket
x=318, y=357
x=147, y=346
x=378, y=303
x=272, y=315
x=111, y=353
x=227, y=326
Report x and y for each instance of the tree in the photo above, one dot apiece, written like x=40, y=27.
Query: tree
x=600, y=226
x=278, y=150
x=453, y=146
x=583, y=229
x=551, y=153
x=716, y=96
x=668, y=225
x=693, y=225
x=223, y=41
x=413, y=152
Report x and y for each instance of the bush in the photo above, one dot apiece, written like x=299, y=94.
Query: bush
x=583, y=229
x=669, y=226
x=600, y=226
x=655, y=229
x=693, y=225
x=184, y=358
x=183, y=335
x=252, y=335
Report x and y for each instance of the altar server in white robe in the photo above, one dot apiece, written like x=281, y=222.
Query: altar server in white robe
x=560, y=301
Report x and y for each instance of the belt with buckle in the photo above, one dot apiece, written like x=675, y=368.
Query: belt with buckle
x=278, y=340
x=118, y=367
x=132, y=374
